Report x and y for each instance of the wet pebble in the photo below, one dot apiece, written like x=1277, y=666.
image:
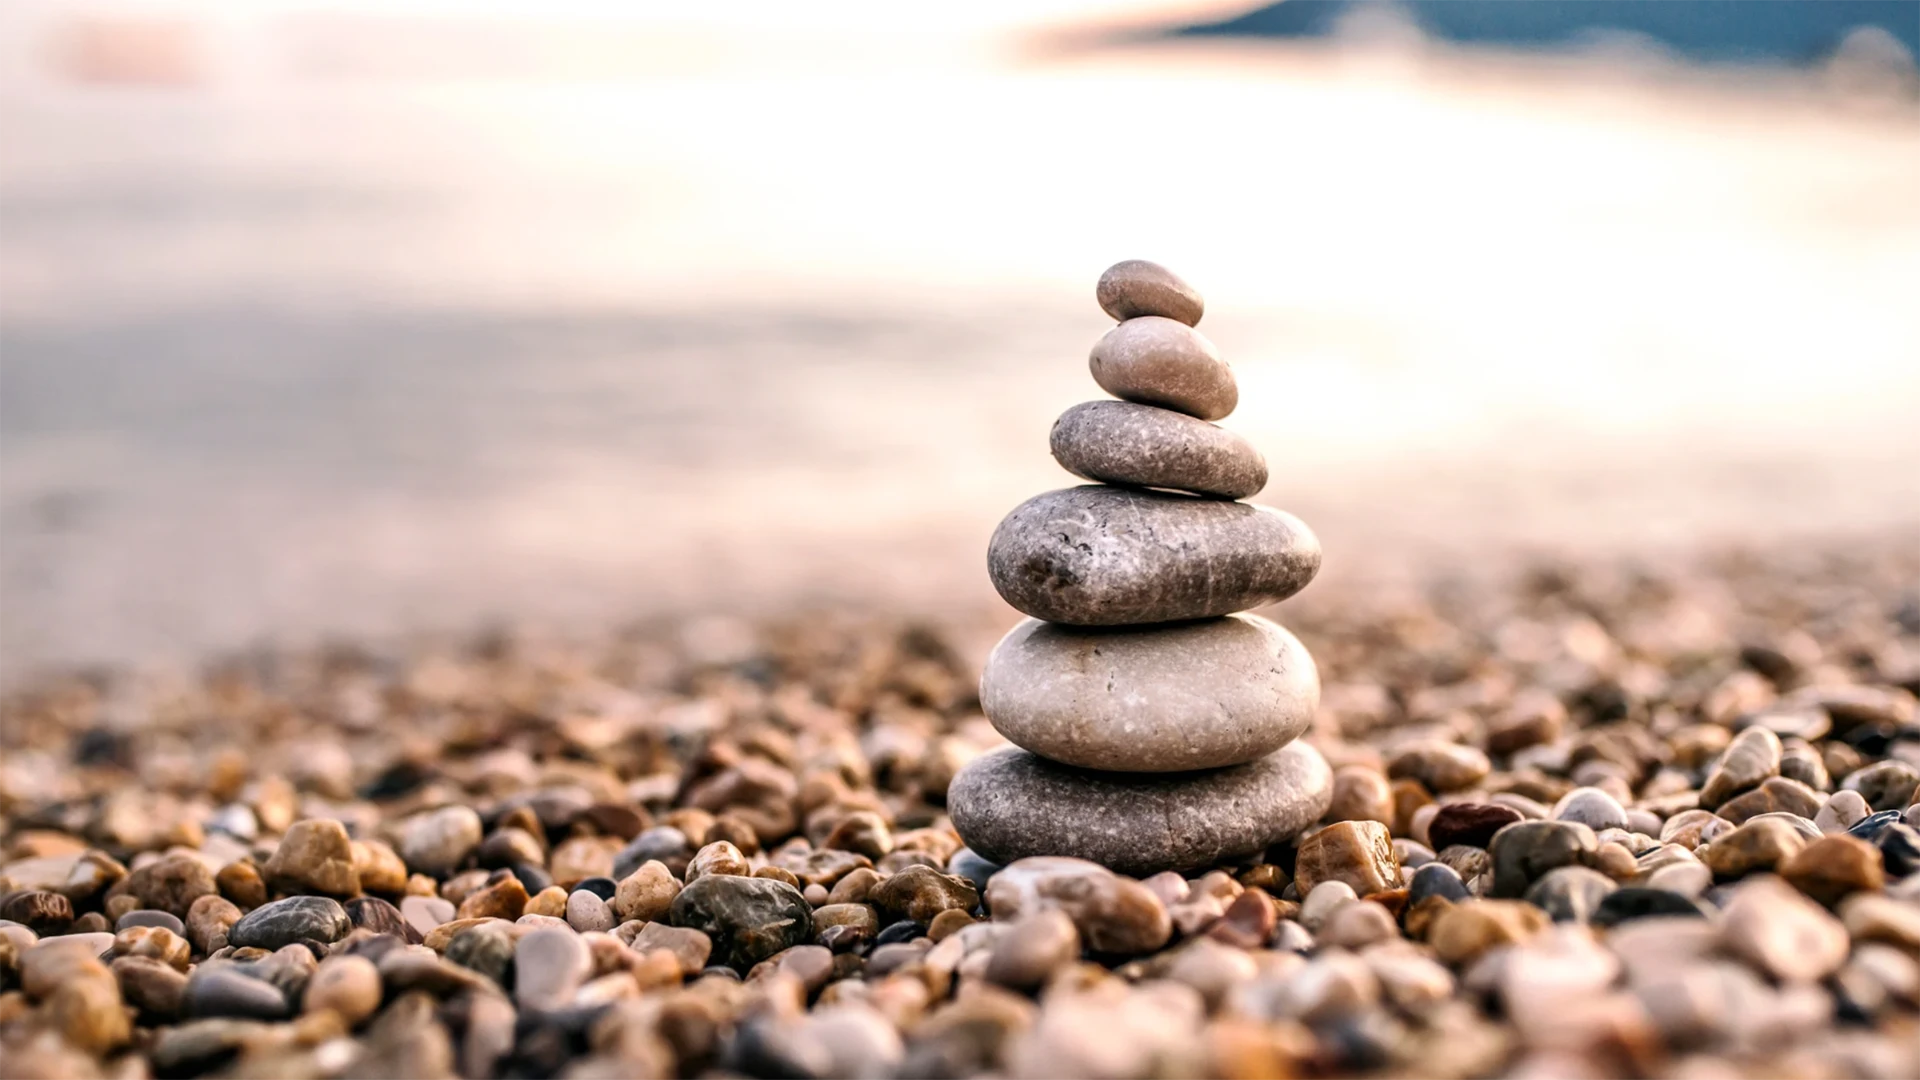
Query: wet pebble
x=295, y=919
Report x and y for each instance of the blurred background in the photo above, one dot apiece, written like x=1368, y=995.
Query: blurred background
x=369, y=317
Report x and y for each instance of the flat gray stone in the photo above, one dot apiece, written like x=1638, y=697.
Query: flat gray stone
x=1164, y=362
x=1119, y=442
x=1103, y=556
x=1136, y=287
x=1193, y=695
x=1009, y=804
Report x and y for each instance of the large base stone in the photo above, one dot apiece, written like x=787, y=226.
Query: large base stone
x=1158, y=699
x=1009, y=804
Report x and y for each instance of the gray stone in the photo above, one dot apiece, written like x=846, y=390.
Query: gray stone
x=1570, y=893
x=1591, y=807
x=283, y=922
x=220, y=990
x=1119, y=442
x=1157, y=361
x=1195, y=695
x=438, y=841
x=548, y=967
x=1102, y=556
x=1523, y=852
x=1136, y=287
x=748, y=918
x=1009, y=804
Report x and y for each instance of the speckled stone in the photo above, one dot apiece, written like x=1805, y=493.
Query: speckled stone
x=297, y=918
x=1359, y=853
x=1195, y=695
x=1157, y=361
x=1119, y=442
x=1009, y=804
x=1135, y=287
x=1103, y=556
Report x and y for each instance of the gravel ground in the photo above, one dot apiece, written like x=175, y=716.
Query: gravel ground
x=1591, y=818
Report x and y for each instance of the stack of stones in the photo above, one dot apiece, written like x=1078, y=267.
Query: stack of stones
x=1153, y=724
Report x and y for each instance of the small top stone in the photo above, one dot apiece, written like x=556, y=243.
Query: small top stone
x=1136, y=287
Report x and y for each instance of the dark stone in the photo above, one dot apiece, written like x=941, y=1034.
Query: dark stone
x=1570, y=893
x=968, y=864
x=1899, y=846
x=1870, y=827
x=1436, y=879
x=1009, y=804
x=904, y=930
x=663, y=842
x=283, y=922
x=1638, y=902
x=748, y=918
x=1472, y=824
x=1523, y=852
x=381, y=917
x=487, y=949
x=533, y=877
x=602, y=887
x=1105, y=556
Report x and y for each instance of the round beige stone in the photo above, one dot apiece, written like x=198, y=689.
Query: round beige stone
x=1196, y=695
x=1137, y=287
x=1119, y=442
x=1104, y=556
x=1159, y=361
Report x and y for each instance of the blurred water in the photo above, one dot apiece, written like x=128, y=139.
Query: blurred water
x=346, y=359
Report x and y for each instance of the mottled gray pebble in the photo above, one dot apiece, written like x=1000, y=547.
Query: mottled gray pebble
x=219, y=990
x=1120, y=442
x=1103, y=556
x=283, y=922
x=1134, y=287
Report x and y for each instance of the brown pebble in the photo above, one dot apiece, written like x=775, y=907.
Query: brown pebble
x=315, y=856
x=208, y=922
x=1472, y=824
x=1247, y=922
x=1462, y=932
x=242, y=883
x=947, y=922
x=154, y=988
x=504, y=899
x=645, y=894
x=717, y=858
x=1132, y=288
x=1832, y=867
x=1152, y=360
x=1440, y=766
x=1757, y=845
x=1033, y=948
x=42, y=912
x=550, y=902
x=171, y=884
x=1360, y=793
x=154, y=943
x=920, y=893
x=1359, y=853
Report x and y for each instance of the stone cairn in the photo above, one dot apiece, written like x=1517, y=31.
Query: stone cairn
x=1153, y=721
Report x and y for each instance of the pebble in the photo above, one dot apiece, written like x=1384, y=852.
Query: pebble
x=1464, y=932
x=1591, y=807
x=1830, y=868
x=1524, y=852
x=1631, y=902
x=1358, y=925
x=378, y=916
x=146, y=917
x=1775, y=795
x=223, y=991
x=1361, y=793
x=1322, y=901
x=1119, y=442
x=692, y=948
x=284, y=922
x=747, y=918
x=921, y=892
x=1472, y=824
x=423, y=913
x=1435, y=879
x=315, y=855
x=1135, y=287
x=720, y=858
x=549, y=966
x=587, y=913
x=1875, y=917
x=1760, y=844
x=1115, y=915
x=1152, y=360
x=171, y=884
x=1105, y=556
x=1440, y=766
x=1841, y=811
x=157, y=990
x=662, y=843
x=1570, y=893
x=42, y=912
x=1009, y=804
x=348, y=986
x=1886, y=785
x=646, y=893
x=1033, y=949
x=1782, y=933
x=1751, y=757
x=1196, y=695
x=1359, y=853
